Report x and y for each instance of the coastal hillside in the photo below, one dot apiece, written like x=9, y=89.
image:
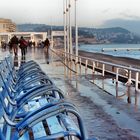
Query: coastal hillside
x=109, y=35
x=89, y=35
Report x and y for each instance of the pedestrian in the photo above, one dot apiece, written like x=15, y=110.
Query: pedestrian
x=14, y=44
x=47, y=44
x=3, y=44
x=23, y=46
x=46, y=51
x=10, y=46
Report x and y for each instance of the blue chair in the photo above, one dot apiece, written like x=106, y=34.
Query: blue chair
x=60, y=110
x=31, y=74
x=18, y=88
x=24, y=86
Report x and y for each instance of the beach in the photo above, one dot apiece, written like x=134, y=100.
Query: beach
x=125, y=61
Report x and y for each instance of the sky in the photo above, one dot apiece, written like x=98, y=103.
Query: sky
x=91, y=13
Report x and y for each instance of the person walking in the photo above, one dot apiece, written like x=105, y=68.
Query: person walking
x=23, y=46
x=10, y=46
x=46, y=49
x=47, y=44
x=14, y=44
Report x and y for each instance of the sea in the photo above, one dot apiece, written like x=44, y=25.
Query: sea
x=120, y=50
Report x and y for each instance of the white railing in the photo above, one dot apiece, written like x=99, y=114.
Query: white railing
x=120, y=49
x=103, y=66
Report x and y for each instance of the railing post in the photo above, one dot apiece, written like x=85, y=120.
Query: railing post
x=129, y=82
x=136, y=81
x=97, y=64
x=93, y=67
x=113, y=70
x=117, y=75
x=103, y=70
x=86, y=67
x=116, y=90
x=80, y=65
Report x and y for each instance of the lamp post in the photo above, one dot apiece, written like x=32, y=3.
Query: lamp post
x=70, y=30
x=65, y=41
x=67, y=26
x=64, y=22
x=76, y=32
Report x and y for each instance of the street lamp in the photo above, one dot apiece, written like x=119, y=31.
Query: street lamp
x=76, y=32
x=64, y=21
x=67, y=26
x=70, y=30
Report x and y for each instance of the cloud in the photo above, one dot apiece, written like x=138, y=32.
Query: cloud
x=126, y=15
x=132, y=25
x=106, y=10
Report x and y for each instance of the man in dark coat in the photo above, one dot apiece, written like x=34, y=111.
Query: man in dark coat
x=23, y=45
x=47, y=44
x=14, y=44
x=46, y=49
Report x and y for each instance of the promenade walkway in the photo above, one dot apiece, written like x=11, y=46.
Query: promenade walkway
x=105, y=116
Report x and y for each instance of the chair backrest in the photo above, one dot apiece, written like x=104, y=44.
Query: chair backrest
x=9, y=63
x=1, y=135
x=1, y=108
x=3, y=98
x=5, y=79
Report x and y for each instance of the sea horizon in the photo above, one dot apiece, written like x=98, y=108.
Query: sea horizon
x=119, y=50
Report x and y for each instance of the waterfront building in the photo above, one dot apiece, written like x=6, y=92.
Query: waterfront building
x=6, y=25
x=8, y=29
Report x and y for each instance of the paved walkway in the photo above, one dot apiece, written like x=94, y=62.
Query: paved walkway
x=104, y=116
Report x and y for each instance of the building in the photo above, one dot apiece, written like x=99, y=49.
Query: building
x=8, y=30
x=6, y=25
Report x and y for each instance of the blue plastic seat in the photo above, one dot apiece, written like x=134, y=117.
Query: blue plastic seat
x=20, y=88
x=60, y=110
x=24, y=85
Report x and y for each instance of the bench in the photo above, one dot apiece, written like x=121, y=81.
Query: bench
x=50, y=117
x=37, y=111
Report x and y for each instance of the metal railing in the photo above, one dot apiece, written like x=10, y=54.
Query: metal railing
x=117, y=70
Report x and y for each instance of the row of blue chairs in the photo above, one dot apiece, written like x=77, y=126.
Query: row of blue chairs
x=32, y=107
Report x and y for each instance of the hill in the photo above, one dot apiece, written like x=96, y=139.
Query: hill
x=89, y=35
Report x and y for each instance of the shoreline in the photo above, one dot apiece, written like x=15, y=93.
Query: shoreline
x=125, y=61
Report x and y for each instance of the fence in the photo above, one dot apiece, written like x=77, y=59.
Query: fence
x=123, y=73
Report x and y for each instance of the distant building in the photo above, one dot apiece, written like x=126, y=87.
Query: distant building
x=6, y=25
